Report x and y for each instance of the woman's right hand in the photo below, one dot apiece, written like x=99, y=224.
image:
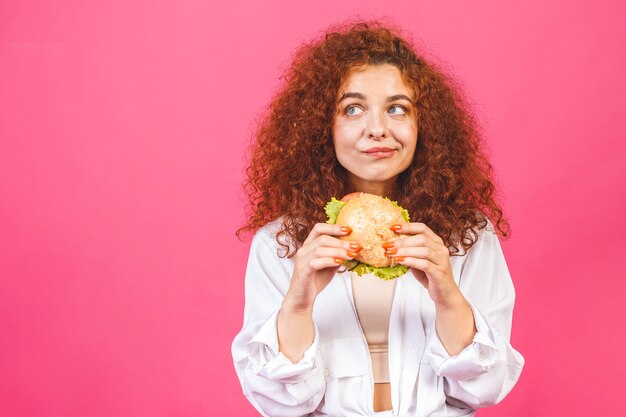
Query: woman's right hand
x=316, y=262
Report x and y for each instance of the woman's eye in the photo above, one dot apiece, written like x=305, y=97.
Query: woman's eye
x=397, y=109
x=349, y=111
x=397, y=106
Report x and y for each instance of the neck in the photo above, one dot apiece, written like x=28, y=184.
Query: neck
x=383, y=188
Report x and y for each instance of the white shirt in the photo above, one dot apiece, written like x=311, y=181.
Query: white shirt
x=334, y=378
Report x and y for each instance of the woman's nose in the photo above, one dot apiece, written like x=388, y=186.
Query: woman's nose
x=375, y=125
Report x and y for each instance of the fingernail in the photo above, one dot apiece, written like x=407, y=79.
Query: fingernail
x=353, y=254
x=396, y=227
x=338, y=260
x=345, y=229
x=388, y=245
x=399, y=258
x=391, y=251
x=355, y=246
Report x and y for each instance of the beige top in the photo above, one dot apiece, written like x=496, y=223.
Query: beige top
x=373, y=298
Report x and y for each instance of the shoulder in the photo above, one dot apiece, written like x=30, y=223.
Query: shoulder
x=483, y=237
x=265, y=250
x=265, y=238
x=489, y=231
x=270, y=230
x=487, y=244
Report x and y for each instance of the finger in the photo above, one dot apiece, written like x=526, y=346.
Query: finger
x=317, y=264
x=324, y=241
x=420, y=240
x=414, y=229
x=327, y=229
x=417, y=263
x=333, y=242
x=417, y=252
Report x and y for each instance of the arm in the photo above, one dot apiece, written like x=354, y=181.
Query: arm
x=429, y=258
x=316, y=263
x=296, y=330
x=484, y=372
x=455, y=324
x=276, y=355
x=273, y=384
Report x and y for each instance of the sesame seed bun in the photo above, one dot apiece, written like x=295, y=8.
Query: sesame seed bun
x=370, y=216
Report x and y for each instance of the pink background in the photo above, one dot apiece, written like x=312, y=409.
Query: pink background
x=122, y=130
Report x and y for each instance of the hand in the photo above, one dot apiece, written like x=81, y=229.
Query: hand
x=429, y=259
x=316, y=262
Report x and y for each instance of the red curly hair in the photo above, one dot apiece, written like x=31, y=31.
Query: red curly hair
x=293, y=171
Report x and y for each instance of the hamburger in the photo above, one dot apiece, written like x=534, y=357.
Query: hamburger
x=369, y=216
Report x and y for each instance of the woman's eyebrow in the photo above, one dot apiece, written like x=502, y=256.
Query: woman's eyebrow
x=362, y=97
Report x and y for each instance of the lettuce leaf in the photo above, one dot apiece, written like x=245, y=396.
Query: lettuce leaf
x=403, y=211
x=332, y=209
x=386, y=273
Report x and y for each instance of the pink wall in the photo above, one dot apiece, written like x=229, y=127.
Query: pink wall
x=122, y=128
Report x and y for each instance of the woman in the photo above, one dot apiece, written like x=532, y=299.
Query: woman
x=361, y=111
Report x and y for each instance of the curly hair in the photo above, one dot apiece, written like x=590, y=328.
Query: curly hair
x=293, y=171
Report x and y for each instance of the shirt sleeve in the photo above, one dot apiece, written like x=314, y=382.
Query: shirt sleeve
x=485, y=371
x=270, y=381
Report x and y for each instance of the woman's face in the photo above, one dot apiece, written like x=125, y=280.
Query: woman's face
x=375, y=128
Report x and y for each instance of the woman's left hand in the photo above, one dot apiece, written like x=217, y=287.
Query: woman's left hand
x=429, y=259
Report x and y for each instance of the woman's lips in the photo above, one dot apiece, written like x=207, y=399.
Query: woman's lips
x=380, y=152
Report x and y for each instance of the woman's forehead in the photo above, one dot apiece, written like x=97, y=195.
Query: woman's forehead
x=359, y=80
